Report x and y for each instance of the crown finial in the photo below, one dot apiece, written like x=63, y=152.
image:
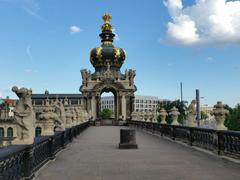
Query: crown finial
x=106, y=26
x=106, y=17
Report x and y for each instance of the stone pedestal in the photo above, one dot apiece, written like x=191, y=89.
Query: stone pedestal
x=127, y=139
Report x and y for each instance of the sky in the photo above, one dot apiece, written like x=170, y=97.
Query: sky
x=45, y=43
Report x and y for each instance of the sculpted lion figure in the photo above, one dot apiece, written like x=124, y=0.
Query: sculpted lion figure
x=25, y=116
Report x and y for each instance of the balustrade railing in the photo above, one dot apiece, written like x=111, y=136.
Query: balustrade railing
x=22, y=161
x=219, y=141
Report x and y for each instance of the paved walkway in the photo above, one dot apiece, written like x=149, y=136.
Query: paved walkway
x=94, y=156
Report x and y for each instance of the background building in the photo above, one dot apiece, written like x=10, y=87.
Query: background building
x=141, y=103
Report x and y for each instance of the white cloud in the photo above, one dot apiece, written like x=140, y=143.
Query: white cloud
x=31, y=71
x=75, y=29
x=28, y=51
x=32, y=8
x=209, y=59
x=206, y=21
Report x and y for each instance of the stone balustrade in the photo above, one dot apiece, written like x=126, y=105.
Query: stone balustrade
x=22, y=161
x=222, y=142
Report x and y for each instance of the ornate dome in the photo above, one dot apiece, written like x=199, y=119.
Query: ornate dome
x=106, y=54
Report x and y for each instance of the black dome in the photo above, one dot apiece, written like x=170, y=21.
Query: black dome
x=107, y=54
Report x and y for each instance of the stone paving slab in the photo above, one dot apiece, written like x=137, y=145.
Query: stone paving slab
x=94, y=155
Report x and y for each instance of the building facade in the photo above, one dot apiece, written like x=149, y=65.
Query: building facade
x=141, y=103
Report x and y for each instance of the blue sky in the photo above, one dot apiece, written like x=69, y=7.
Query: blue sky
x=165, y=42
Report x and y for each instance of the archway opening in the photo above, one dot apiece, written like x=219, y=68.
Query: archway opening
x=107, y=105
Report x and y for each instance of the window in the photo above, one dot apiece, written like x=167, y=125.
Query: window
x=10, y=132
x=1, y=133
x=38, y=131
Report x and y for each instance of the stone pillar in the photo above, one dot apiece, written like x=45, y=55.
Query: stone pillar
x=220, y=113
x=94, y=107
x=174, y=115
x=124, y=114
x=116, y=108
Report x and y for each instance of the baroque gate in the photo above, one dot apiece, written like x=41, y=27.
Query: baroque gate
x=107, y=61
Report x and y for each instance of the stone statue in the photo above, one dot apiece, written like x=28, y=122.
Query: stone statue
x=130, y=74
x=49, y=119
x=65, y=101
x=25, y=116
x=74, y=117
x=85, y=76
x=60, y=111
x=69, y=117
x=220, y=113
x=174, y=115
x=191, y=114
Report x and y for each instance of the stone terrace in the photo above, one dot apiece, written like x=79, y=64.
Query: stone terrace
x=94, y=155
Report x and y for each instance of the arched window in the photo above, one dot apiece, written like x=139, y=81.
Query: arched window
x=38, y=131
x=1, y=133
x=10, y=132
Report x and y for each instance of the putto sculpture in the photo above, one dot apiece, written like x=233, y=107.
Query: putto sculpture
x=25, y=116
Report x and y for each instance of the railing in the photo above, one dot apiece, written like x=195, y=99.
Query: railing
x=221, y=142
x=22, y=161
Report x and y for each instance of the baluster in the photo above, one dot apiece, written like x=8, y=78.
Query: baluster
x=28, y=162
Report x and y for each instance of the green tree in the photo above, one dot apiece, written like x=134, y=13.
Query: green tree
x=204, y=115
x=179, y=105
x=106, y=114
x=233, y=119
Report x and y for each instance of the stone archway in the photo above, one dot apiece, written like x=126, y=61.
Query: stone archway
x=119, y=98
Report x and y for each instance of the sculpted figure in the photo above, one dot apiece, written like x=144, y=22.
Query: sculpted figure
x=61, y=114
x=65, y=101
x=74, y=117
x=131, y=75
x=25, y=116
x=85, y=76
x=49, y=119
x=69, y=117
x=191, y=114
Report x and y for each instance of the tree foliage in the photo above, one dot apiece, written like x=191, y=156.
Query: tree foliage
x=233, y=119
x=204, y=115
x=169, y=105
x=106, y=114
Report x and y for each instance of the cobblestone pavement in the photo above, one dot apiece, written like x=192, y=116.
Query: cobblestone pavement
x=94, y=155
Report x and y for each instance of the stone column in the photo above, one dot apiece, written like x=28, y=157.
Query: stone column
x=124, y=114
x=220, y=113
x=94, y=107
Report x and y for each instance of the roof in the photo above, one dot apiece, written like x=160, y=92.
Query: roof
x=40, y=96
